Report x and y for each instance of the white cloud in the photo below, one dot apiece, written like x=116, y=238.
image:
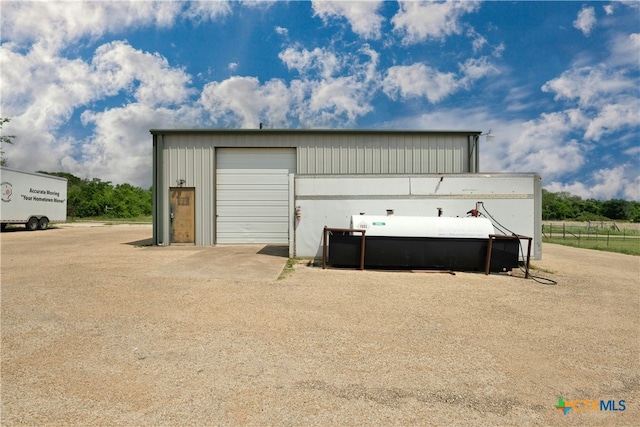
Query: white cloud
x=624, y=113
x=56, y=24
x=119, y=148
x=544, y=145
x=633, y=151
x=608, y=9
x=233, y=66
x=52, y=87
x=343, y=98
x=282, y=31
x=586, y=20
x=246, y=100
x=202, y=11
x=479, y=41
x=608, y=97
x=147, y=76
x=476, y=68
x=589, y=86
x=304, y=61
x=41, y=92
x=332, y=90
x=332, y=101
x=418, y=21
x=419, y=80
x=604, y=184
x=625, y=50
x=362, y=15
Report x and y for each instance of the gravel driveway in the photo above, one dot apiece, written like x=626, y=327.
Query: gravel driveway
x=95, y=331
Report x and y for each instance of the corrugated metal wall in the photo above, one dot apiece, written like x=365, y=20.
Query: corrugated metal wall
x=193, y=160
x=383, y=154
x=354, y=153
x=190, y=155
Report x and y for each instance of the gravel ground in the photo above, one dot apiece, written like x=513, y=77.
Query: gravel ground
x=93, y=335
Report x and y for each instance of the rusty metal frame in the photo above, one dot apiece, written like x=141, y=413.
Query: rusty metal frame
x=493, y=237
x=328, y=230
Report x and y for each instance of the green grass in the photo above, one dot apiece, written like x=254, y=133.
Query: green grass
x=583, y=231
x=147, y=219
x=603, y=237
x=626, y=245
x=288, y=268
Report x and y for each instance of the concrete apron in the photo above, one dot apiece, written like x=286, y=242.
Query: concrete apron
x=231, y=262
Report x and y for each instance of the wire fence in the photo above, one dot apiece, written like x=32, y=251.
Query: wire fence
x=596, y=231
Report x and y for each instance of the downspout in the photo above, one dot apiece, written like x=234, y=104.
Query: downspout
x=158, y=191
x=474, y=158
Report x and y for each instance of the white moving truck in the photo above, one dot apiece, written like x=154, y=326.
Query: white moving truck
x=32, y=199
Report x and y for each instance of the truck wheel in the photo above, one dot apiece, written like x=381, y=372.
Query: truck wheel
x=32, y=224
x=43, y=223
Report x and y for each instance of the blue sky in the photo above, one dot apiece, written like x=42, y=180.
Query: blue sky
x=558, y=83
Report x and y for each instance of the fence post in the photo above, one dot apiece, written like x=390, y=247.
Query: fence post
x=608, y=232
x=564, y=231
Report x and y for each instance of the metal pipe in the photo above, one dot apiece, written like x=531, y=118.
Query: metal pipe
x=343, y=230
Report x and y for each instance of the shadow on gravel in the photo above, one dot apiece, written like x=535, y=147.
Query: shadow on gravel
x=143, y=242
x=274, y=250
x=21, y=228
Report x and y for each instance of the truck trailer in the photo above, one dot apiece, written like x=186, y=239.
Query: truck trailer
x=32, y=199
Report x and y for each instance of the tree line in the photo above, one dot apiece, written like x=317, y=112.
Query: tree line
x=565, y=206
x=95, y=198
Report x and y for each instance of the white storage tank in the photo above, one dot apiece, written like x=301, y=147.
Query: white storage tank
x=421, y=226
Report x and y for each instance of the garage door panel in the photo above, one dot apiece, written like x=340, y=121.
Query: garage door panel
x=236, y=212
x=256, y=195
x=252, y=194
x=260, y=179
x=257, y=158
x=261, y=238
x=266, y=203
x=255, y=227
x=254, y=188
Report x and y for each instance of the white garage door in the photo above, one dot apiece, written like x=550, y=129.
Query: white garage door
x=252, y=197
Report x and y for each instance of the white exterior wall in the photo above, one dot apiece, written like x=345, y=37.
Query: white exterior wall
x=514, y=200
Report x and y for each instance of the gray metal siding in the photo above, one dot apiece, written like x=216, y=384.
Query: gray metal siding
x=192, y=159
x=190, y=155
x=368, y=153
x=384, y=154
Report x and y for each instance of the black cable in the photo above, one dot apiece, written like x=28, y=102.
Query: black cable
x=496, y=226
x=537, y=279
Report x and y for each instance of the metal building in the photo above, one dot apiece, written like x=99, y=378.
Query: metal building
x=237, y=186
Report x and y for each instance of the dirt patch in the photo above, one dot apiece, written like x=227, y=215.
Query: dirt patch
x=94, y=334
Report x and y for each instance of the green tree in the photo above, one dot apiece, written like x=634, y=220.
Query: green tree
x=558, y=206
x=4, y=139
x=89, y=198
x=635, y=212
x=616, y=209
x=132, y=201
